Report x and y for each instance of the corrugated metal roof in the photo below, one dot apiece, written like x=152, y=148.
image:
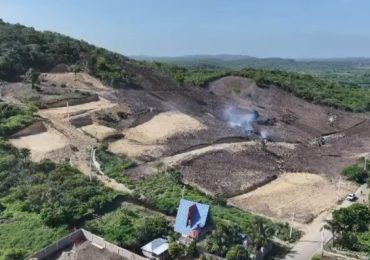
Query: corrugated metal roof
x=157, y=246
x=190, y=216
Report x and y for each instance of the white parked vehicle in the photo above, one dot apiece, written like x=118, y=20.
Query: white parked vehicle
x=351, y=197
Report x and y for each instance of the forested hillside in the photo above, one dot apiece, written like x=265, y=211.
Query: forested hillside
x=311, y=88
x=23, y=47
x=354, y=71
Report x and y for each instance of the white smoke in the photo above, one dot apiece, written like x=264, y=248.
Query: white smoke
x=264, y=134
x=240, y=120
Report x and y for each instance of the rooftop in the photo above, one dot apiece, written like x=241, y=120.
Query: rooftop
x=190, y=216
x=157, y=246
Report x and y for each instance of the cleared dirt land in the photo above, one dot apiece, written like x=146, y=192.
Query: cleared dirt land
x=97, y=131
x=227, y=168
x=136, y=150
x=41, y=144
x=187, y=128
x=302, y=194
x=163, y=126
x=73, y=80
x=62, y=112
x=147, y=141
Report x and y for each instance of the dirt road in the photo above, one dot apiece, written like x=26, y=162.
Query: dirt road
x=311, y=243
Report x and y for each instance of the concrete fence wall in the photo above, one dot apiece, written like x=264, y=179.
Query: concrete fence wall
x=85, y=235
x=59, y=245
x=111, y=247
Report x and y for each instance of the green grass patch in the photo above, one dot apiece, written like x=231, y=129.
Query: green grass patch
x=114, y=166
x=130, y=227
x=39, y=201
x=13, y=118
x=25, y=233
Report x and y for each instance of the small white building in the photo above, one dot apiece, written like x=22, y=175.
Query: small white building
x=157, y=249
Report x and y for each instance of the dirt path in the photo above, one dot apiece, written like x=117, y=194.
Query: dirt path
x=234, y=147
x=311, y=243
x=81, y=157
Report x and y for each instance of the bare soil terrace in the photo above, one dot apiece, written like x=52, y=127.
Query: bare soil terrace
x=42, y=143
x=186, y=128
x=301, y=196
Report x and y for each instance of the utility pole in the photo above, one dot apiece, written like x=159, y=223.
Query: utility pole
x=183, y=192
x=338, y=187
x=91, y=158
x=365, y=165
x=68, y=111
x=322, y=239
x=291, y=226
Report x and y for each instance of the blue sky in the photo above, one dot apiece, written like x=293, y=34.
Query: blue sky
x=262, y=28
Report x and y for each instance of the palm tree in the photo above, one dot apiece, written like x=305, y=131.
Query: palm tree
x=329, y=225
x=260, y=233
x=25, y=153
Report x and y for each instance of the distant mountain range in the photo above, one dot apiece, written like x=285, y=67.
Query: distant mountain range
x=245, y=58
x=353, y=70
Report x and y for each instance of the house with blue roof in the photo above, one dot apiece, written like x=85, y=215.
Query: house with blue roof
x=191, y=218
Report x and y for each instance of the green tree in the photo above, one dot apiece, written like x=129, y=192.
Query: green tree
x=150, y=228
x=364, y=242
x=25, y=153
x=192, y=249
x=33, y=77
x=175, y=250
x=329, y=225
x=223, y=237
x=259, y=231
x=237, y=252
x=14, y=254
x=348, y=223
x=355, y=173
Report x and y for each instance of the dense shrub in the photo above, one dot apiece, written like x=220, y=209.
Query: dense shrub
x=25, y=232
x=13, y=118
x=176, y=250
x=59, y=193
x=224, y=237
x=355, y=173
x=115, y=166
x=130, y=226
x=237, y=252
